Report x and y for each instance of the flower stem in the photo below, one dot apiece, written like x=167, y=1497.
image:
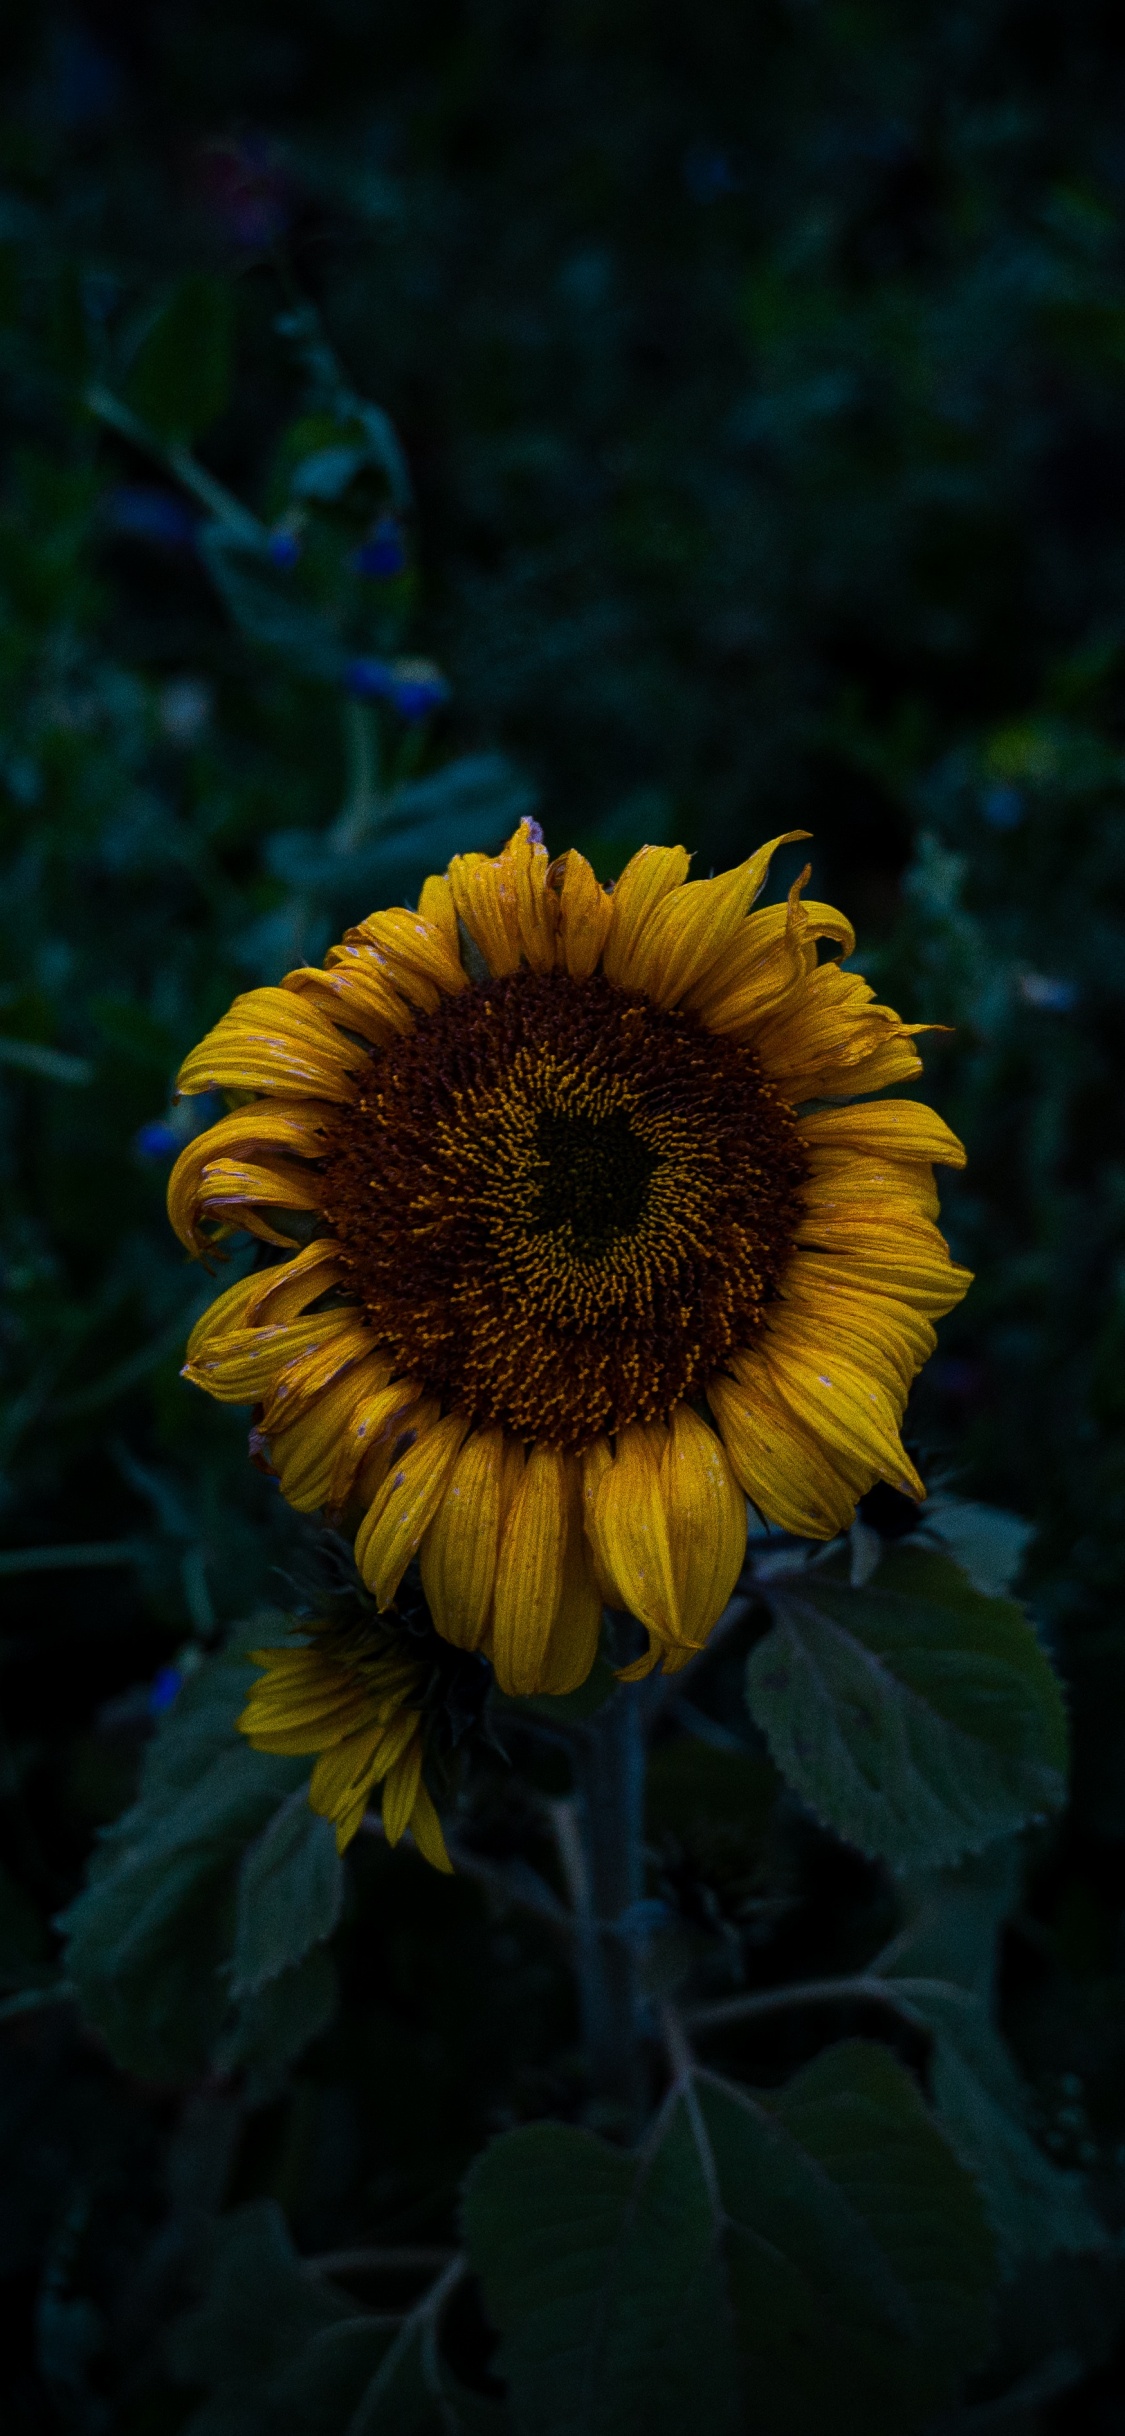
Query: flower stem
x=609, y=1760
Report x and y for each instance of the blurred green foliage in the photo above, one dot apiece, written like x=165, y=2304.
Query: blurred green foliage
x=726, y=408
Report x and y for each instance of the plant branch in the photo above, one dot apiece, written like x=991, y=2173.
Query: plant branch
x=863, y=1988
x=403, y=2257
x=195, y=478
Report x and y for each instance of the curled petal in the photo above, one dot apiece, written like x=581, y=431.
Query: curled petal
x=767, y=964
x=381, y=1409
x=407, y=949
x=486, y=904
x=241, y=1366
x=436, y=907
x=318, y=1456
x=524, y=869
x=353, y=993
x=266, y=1135
x=585, y=917
x=270, y=1042
x=693, y=930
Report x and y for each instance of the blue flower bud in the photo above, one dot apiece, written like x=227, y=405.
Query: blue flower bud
x=163, y=1689
x=368, y=680
x=417, y=688
x=156, y=1140
x=383, y=554
x=283, y=549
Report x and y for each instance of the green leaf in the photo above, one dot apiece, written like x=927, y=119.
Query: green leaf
x=179, y=380
x=917, y=1718
x=988, y=1544
x=149, y=1935
x=272, y=2027
x=751, y=2265
x=262, y=2321
x=283, y=2353
x=944, y=1964
x=290, y=1890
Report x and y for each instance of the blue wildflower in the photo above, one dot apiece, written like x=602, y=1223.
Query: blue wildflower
x=383, y=554
x=417, y=688
x=163, y=1689
x=283, y=549
x=156, y=1140
x=368, y=680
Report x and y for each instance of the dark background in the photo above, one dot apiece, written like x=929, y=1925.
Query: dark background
x=761, y=373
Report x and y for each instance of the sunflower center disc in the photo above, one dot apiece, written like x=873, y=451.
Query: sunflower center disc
x=562, y=1206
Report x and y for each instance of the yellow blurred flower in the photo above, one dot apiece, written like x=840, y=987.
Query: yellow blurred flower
x=608, y=1236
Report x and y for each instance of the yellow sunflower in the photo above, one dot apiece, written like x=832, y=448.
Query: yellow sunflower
x=604, y=1236
x=356, y=1701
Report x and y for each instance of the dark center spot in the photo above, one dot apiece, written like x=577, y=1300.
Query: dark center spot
x=597, y=1177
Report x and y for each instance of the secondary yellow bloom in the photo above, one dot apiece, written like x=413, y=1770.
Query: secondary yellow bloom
x=608, y=1235
x=355, y=1700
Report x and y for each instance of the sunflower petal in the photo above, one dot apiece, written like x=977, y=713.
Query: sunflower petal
x=242, y=1367
x=485, y=903
x=345, y=1341
x=284, y=1292
x=436, y=907
x=769, y=964
x=595, y=1463
x=270, y=1126
x=425, y=1827
x=692, y=933
x=460, y=1548
x=392, y=1531
x=707, y=1515
x=651, y=876
x=351, y=992
x=895, y=1129
x=525, y=863
x=529, y=1573
x=270, y=1042
x=630, y=1528
x=841, y=1405
x=790, y=1478
x=573, y=1644
x=400, y=1790
x=376, y=1417
x=407, y=950
x=326, y=1445
x=585, y=917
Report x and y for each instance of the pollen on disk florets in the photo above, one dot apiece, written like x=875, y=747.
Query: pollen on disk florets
x=561, y=1206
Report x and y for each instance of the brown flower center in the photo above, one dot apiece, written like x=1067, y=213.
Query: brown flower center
x=562, y=1206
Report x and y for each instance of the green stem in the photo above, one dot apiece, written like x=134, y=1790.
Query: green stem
x=363, y=806
x=609, y=1760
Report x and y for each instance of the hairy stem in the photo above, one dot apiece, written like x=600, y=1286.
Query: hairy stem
x=609, y=1760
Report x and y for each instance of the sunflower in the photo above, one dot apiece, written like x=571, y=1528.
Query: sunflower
x=600, y=1234
x=355, y=1699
